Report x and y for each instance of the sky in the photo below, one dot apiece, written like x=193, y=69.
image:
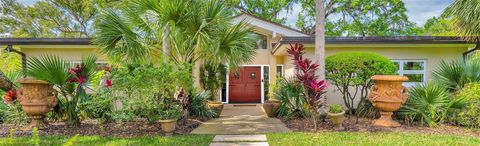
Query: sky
x=418, y=11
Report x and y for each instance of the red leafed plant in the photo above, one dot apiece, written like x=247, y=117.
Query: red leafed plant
x=305, y=73
x=10, y=97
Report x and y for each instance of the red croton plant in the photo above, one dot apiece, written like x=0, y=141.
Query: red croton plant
x=305, y=73
x=10, y=97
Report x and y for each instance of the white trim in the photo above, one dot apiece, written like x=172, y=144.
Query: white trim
x=262, y=86
x=403, y=72
x=283, y=70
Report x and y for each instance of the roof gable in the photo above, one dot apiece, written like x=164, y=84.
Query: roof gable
x=264, y=24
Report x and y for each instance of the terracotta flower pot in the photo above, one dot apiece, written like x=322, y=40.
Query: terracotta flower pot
x=337, y=119
x=216, y=106
x=388, y=95
x=168, y=126
x=271, y=107
x=37, y=98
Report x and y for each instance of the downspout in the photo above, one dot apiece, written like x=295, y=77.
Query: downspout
x=24, y=58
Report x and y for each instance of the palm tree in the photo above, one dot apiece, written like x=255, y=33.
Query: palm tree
x=465, y=18
x=320, y=38
x=5, y=83
x=184, y=31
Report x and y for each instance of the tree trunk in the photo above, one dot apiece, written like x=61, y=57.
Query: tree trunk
x=320, y=38
x=5, y=83
x=166, y=42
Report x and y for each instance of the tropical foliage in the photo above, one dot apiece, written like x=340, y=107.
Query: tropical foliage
x=350, y=72
x=314, y=88
x=212, y=78
x=430, y=104
x=292, y=98
x=71, y=81
x=456, y=74
x=464, y=15
x=186, y=31
x=199, y=105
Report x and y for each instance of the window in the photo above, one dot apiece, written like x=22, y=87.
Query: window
x=415, y=70
x=279, y=70
x=266, y=81
x=261, y=41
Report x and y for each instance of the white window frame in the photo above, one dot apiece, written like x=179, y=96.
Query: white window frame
x=402, y=72
x=282, y=73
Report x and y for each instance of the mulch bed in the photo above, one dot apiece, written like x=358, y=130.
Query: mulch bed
x=365, y=125
x=91, y=127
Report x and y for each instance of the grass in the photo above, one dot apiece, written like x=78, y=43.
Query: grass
x=367, y=139
x=274, y=139
x=183, y=140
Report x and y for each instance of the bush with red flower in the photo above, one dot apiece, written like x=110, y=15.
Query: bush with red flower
x=71, y=82
x=305, y=73
x=10, y=97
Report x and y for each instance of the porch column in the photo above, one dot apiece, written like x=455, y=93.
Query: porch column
x=272, y=73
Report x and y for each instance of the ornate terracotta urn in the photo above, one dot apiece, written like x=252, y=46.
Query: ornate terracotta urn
x=388, y=95
x=37, y=98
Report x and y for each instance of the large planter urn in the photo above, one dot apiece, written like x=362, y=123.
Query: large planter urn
x=37, y=98
x=271, y=107
x=216, y=106
x=388, y=95
x=337, y=119
x=168, y=126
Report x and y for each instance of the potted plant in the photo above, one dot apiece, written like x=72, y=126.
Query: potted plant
x=272, y=105
x=168, y=118
x=337, y=115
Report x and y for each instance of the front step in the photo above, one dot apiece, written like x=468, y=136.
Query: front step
x=239, y=144
x=240, y=140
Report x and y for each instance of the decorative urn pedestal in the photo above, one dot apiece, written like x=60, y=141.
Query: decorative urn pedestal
x=37, y=98
x=388, y=95
x=271, y=107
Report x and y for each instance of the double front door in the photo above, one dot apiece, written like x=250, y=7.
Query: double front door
x=245, y=85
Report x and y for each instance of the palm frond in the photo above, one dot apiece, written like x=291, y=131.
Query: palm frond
x=49, y=68
x=465, y=16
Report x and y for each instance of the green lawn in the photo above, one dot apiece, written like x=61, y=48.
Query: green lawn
x=288, y=139
x=111, y=141
x=359, y=138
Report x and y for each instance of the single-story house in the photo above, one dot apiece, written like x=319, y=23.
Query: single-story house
x=416, y=56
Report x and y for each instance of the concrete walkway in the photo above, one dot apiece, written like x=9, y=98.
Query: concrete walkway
x=240, y=140
x=241, y=119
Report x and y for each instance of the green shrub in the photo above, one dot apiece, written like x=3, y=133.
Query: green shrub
x=12, y=114
x=335, y=108
x=171, y=113
x=100, y=106
x=469, y=115
x=430, y=103
x=212, y=78
x=291, y=95
x=199, y=105
x=354, y=69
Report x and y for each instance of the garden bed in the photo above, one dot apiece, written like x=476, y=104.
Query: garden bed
x=126, y=129
x=365, y=125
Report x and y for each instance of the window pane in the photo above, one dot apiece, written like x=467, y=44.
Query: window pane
x=414, y=77
x=413, y=66
x=261, y=41
x=397, y=64
x=280, y=71
x=266, y=79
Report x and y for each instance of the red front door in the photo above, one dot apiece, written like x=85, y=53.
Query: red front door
x=245, y=85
